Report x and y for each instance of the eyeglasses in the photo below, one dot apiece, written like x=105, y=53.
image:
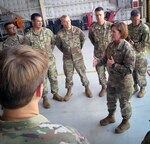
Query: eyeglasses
x=13, y=27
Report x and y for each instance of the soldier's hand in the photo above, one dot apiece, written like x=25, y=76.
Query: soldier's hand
x=110, y=62
x=131, y=42
x=95, y=61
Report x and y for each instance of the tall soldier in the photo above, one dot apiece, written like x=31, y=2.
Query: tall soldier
x=100, y=36
x=13, y=39
x=138, y=36
x=70, y=41
x=42, y=38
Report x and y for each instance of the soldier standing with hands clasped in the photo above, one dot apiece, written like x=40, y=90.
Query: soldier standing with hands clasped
x=70, y=41
x=138, y=37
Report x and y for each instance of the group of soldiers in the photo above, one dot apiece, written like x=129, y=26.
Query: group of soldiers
x=70, y=40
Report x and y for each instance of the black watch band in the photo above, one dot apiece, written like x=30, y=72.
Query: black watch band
x=113, y=65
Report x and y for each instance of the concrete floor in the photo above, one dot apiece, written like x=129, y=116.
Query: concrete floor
x=84, y=113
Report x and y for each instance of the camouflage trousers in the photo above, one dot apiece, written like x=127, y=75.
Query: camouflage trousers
x=101, y=74
x=52, y=76
x=69, y=65
x=124, y=95
x=139, y=73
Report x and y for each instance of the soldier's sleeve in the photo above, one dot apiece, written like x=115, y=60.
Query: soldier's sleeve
x=5, y=45
x=144, y=39
x=59, y=43
x=21, y=39
x=128, y=63
x=79, y=138
x=103, y=60
x=82, y=38
x=52, y=40
x=27, y=40
x=91, y=37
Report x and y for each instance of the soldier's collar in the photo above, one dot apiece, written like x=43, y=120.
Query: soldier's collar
x=121, y=43
x=37, y=33
x=22, y=124
x=138, y=24
x=70, y=30
x=103, y=25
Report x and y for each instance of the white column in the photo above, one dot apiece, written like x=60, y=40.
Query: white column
x=43, y=11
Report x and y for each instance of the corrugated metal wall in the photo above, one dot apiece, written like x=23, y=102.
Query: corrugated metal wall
x=24, y=8
x=55, y=8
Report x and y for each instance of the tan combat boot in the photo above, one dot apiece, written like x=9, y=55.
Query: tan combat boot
x=103, y=91
x=46, y=104
x=57, y=97
x=136, y=89
x=88, y=92
x=107, y=120
x=123, y=126
x=68, y=94
x=141, y=92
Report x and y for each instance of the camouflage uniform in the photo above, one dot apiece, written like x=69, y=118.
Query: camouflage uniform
x=13, y=41
x=45, y=40
x=100, y=37
x=140, y=36
x=70, y=43
x=38, y=130
x=120, y=80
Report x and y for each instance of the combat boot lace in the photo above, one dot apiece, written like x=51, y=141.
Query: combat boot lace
x=46, y=104
x=141, y=92
x=124, y=125
x=107, y=120
x=57, y=97
x=136, y=89
x=103, y=91
x=88, y=92
x=68, y=94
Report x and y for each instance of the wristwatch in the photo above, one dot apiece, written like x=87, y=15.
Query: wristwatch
x=113, y=65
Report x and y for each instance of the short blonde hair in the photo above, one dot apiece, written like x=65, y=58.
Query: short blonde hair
x=22, y=70
x=63, y=17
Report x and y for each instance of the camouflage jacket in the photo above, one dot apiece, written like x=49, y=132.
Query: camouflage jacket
x=100, y=37
x=120, y=74
x=13, y=41
x=38, y=130
x=140, y=35
x=44, y=40
x=70, y=43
